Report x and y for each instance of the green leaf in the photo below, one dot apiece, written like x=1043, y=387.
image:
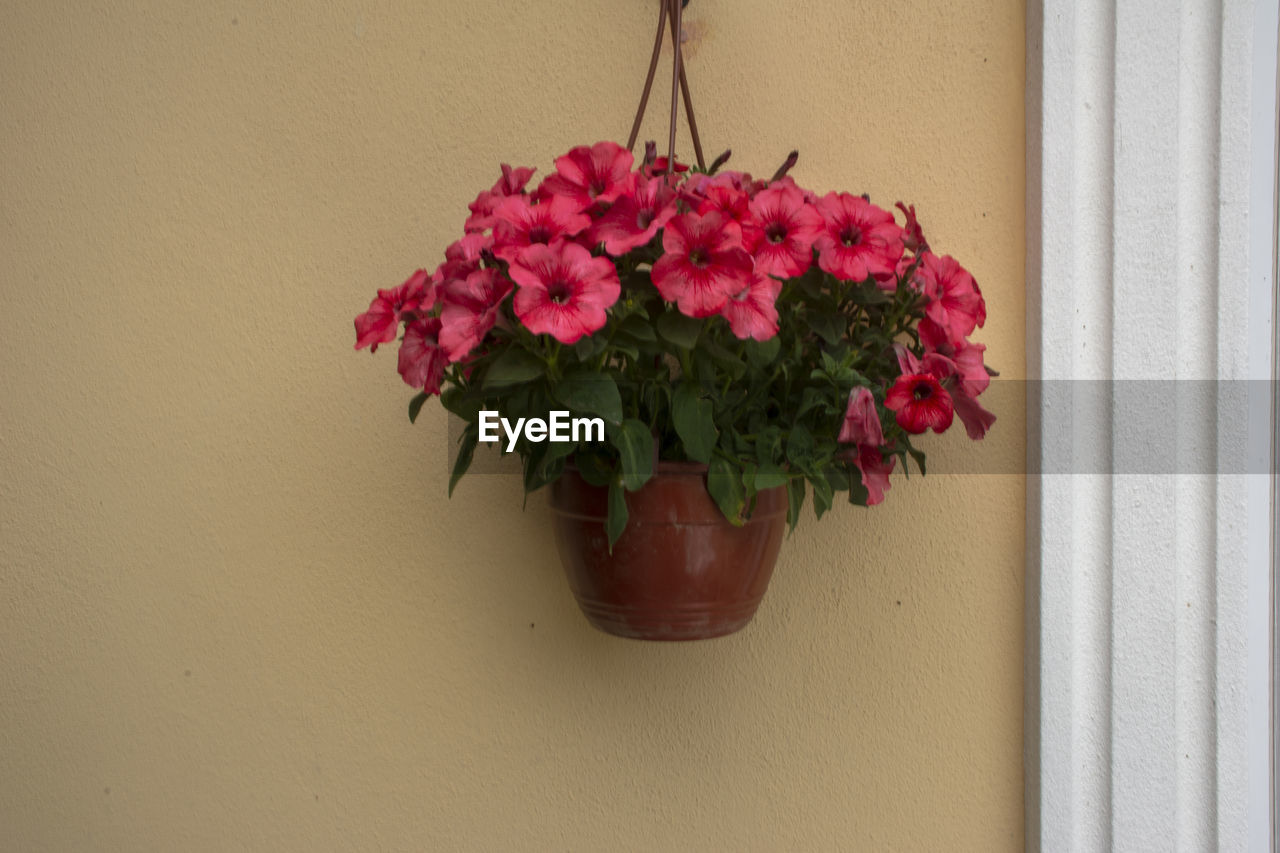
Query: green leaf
x=678, y=329
x=800, y=447
x=692, y=417
x=858, y=494
x=617, y=520
x=512, y=367
x=795, y=500
x=466, y=450
x=768, y=445
x=549, y=466
x=593, y=469
x=725, y=486
x=830, y=364
x=830, y=327
x=466, y=405
x=869, y=294
x=638, y=327
x=822, y=495
x=588, y=346
x=917, y=455
x=627, y=349
x=635, y=452
x=728, y=362
x=593, y=392
x=811, y=398
x=415, y=406
x=769, y=476
x=533, y=458
x=762, y=353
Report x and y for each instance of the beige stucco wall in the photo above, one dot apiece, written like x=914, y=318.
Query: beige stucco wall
x=237, y=610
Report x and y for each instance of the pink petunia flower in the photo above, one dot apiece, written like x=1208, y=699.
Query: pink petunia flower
x=964, y=377
x=955, y=303
x=519, y=224
x=783, y=243
x=875, y=468
x=861, y=421
x=422, y=361
x=859, y=240
x=787, y=181
x=590, y=174
x=636, y=216
x=731, y=203
x=967, y=359
x=482, y=209
x=703, y=264
x=470, y=310
x=380, y=323
x=752, y=312
x=919, y=402
x=912, y=235
x=564, y=292
x=462, y=258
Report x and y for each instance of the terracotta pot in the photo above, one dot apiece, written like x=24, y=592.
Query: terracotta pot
x=679, y=571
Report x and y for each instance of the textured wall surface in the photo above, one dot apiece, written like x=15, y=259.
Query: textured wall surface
x=237, y=610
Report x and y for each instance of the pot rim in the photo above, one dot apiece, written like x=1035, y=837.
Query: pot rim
x=679, y=467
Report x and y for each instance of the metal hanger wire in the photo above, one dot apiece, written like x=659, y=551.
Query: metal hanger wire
x=670, y=10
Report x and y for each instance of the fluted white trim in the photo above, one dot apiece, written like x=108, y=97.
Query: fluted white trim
x=1151, y=229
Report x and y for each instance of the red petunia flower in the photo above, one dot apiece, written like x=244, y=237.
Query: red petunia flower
x=564, y=292
x=782, y=245
x=752, y=312
x=955, y=303
x=422, y=361
x=919, y=402
x=589, y=175
x=519, y=224
x=861, y=421
x=859, y=240
x=482, y=209
x=704, y=263
x=659, y=167
x=636, y=216
x=470, y=310
x=380, y=323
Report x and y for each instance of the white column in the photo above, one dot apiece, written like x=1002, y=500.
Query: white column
x=1150, y=228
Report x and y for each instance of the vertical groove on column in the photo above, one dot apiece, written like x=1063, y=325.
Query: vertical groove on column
x=1244, y=199
x=1199, y=54
x=1090, y=565
x=1144, y=617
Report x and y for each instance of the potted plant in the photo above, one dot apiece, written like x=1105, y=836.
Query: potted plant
x=738, y=345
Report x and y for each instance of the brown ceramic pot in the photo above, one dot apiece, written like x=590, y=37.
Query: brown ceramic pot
x=679, y=571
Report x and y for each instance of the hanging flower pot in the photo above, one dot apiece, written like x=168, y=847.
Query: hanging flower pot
x=709, y=348
x=679, y=570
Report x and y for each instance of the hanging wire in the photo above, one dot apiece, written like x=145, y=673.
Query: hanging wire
x=676, y=11
x=648, y=80
x=669, y=9
x=684, y=83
